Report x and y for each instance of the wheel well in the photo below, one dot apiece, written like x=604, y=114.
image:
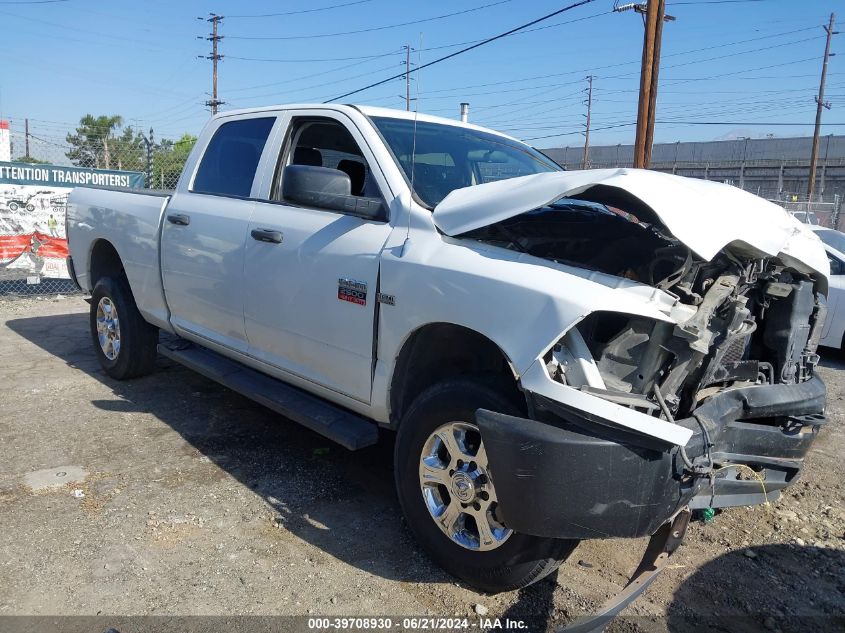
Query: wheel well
x=104, y=262
x=439, y=351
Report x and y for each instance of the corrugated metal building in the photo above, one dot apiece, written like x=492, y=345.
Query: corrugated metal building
x=772, y=167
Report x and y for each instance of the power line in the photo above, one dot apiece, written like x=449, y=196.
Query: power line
x=620, y=64
x=595, y=129
x=368, y=30
x=320, y=85
x=752, y=107
x=675, y=122
x=763, y=106
x=464, y=50
x=524, y=32
x=728, y=108
x=315, y=10
x=743, y=72
x=755, y=123
x=369, y=57
x=315, y=60
x=58, y=25
x=531, y=104
x=677, y=4
x=732, y=109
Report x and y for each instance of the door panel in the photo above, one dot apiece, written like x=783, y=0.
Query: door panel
x=205, y=229
x=202, y=266
x=297, y=316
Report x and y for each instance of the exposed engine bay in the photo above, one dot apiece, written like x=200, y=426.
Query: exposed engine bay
x=752, y=321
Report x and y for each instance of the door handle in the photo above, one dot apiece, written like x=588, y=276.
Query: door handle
x=267, y=235
x=180, y=219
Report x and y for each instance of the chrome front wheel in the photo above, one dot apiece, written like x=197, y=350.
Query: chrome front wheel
x=457, y=487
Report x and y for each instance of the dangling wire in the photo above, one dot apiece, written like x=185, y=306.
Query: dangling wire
x=665, y=408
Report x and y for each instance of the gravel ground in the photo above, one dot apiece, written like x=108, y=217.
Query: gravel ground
x=180, y=497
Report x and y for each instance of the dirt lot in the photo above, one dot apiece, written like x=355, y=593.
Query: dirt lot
x=195, y=501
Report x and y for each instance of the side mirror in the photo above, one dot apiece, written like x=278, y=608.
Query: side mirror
x=836, y=267
x=327, y=188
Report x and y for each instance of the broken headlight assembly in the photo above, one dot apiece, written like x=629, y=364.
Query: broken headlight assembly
x=748, y=327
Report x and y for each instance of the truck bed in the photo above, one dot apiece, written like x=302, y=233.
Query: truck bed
x=128, y=220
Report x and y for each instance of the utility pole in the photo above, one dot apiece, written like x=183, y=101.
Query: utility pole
x=408, y=77
x=820, y=104
x=654, y=14
x=645, y=85
x=26, y=136
x=215, y=20
x=586, y=162
x=655, y=71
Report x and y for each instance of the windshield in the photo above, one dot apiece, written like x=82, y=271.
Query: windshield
x=834, y=239
x=448, y=157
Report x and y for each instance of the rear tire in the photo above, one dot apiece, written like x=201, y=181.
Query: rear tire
x=510, y=560
x=125, y=344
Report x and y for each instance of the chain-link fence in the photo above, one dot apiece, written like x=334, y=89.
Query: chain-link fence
x=102, y=143
x=101, y=150
x=45, y=165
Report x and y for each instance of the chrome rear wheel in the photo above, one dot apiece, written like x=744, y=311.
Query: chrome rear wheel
x=108, y=328
x=124, y=343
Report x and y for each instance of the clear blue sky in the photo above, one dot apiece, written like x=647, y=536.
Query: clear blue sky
x=723, y=60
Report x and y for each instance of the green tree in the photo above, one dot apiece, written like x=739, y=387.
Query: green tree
x=103, y=142
x=128, y=151
x=169, y=158
x=29, y=159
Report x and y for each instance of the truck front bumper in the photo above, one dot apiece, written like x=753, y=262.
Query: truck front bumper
x=564, y=474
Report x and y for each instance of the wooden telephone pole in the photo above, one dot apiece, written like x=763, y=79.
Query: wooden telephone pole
x=655, y=71
x=654, y=15
x=214, y=103
x=586, y=162
x=820, y=105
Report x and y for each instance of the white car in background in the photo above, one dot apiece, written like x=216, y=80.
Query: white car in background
x=805, y=217
x=833, y=332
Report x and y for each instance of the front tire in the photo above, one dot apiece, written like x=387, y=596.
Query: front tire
x=125, y=344
x=447, y=495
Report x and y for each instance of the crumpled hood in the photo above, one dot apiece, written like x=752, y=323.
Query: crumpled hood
x=705, y=215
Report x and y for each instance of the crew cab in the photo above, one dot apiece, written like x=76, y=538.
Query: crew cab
x=563, y=355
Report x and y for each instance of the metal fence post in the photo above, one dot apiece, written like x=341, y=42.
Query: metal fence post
x=148, y=166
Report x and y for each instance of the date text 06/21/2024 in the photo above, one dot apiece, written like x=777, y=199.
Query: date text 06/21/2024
x=422, y=623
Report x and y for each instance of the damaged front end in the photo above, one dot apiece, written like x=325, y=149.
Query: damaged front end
x=632, y=419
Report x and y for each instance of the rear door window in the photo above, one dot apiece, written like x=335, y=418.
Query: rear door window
x=231, y=158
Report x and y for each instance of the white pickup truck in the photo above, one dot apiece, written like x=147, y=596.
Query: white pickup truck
x=564, y=355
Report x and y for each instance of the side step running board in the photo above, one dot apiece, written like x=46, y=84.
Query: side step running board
x=345, y=428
